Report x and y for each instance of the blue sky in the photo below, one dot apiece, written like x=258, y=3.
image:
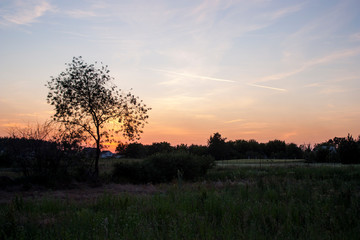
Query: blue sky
x=257, y=69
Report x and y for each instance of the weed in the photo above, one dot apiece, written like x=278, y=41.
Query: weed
x=270, y=203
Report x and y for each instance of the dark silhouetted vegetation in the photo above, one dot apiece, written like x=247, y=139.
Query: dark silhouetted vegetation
x=164, y=167
x=84, y=99
x=217, y=147
x=59, y=160
x=42, y=162
x=135, y=150
x=336, y=150
x=245, y=203
x=221, y=149
x=138, y=150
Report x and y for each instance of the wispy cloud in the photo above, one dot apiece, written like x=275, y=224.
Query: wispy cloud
x=334, y=56
x=287, y=135
x=333, y=89
x=267, y=87
x=255, y=125
x=177, y=100
x=235, y=120
x=285, y=11
x=35, y=114
x=311, y=85
x=318, y=61
x=355, y=37
x=207, y=9
x=81, y=14
x=204, y=116
x=195, y=76
x=25, y=12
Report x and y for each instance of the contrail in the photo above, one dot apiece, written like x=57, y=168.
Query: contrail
x=195, y=76
x=261, y=86
x=216, y=79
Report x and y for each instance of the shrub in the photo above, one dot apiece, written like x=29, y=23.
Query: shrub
x=129, y=172
x=41, y=162
x=164, y=167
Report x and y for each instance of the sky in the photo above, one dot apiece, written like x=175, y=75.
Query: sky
x=261, y=69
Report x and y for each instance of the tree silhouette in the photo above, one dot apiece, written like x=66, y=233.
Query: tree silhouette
x=217, y=146
x=349, y=150
x=85, y=99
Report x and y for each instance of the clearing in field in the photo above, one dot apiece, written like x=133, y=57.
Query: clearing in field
x=292, y=202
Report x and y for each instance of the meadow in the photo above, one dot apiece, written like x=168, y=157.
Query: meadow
x=278, y=202
x=259, y=162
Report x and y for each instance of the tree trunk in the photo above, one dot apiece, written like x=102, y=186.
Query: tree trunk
x=96, y=170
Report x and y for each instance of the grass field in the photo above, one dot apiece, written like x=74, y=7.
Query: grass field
x=291, y=202
x=106, y=165
x=259, y=162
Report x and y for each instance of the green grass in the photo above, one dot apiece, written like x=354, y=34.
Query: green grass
x=242, y=203
x=235, y=162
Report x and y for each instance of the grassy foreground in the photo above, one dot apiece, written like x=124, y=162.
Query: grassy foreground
x=243, y=203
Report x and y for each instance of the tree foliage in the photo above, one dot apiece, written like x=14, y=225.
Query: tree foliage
x=160, y=147
x=135, y=150
x=349, y=150
x=217, y=146
x=85, y=99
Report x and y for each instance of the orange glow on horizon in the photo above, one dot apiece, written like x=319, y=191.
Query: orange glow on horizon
x=194, y=133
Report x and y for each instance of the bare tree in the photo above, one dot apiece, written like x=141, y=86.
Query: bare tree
x=36, y=131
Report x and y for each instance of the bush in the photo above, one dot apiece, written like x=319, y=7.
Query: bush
x=164, y=167
x=129, y=172
x=41, y=162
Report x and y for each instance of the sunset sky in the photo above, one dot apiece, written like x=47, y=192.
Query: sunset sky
x=260, y=69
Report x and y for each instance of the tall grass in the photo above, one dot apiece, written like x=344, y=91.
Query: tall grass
x=269, y=203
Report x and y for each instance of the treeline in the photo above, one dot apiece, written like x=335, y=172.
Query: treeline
x=62, y=159
x=59, y=162
x=336, y=150
x=218, y=148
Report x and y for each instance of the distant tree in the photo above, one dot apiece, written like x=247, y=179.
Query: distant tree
x=276, y=149
x=326, y=151
x=84, y=98
x=160, y=147
x=349, y=150
x=255, y=149
x=293, y=151
x=217, y=146
x=241, y=147
x=198, y=150
x=135, y=150
x=121, y=148
x=182, y=147
x=232, y=151
x=307, y=152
